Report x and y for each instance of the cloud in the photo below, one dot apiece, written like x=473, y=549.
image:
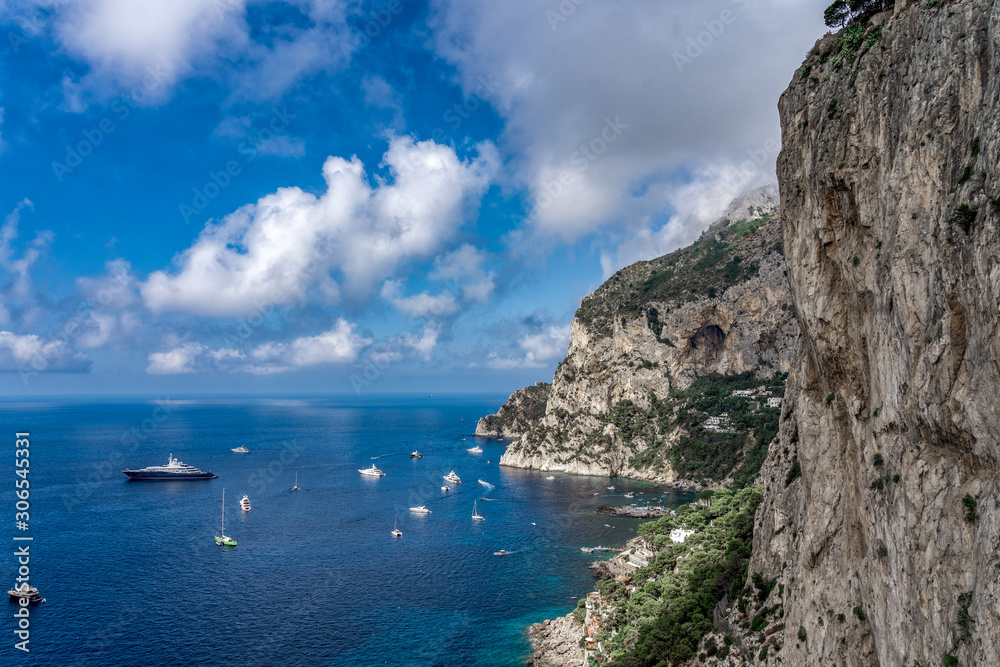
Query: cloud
x=603, y=116
x=29, y=353
x=17, y=292
x=420, y=305
x=425, y=344
x=465, y=267
x=124, y=43
x=110, y=313
x=177, y=361
x=282, y=146
x=540, y=349
x=275, y=250
x=339, y=345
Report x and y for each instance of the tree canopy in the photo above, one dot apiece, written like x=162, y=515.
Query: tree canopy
x=842, y=12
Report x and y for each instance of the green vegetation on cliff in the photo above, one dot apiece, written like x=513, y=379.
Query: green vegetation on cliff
x=725, y=255
x=664, y=620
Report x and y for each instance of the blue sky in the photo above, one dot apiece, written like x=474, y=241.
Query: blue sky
x=335, y=196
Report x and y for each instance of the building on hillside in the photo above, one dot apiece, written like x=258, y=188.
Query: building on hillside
x=774, y=402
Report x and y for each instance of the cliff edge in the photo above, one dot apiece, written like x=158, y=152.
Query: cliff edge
x=880, y=517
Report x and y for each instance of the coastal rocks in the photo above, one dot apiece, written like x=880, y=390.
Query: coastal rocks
x=882, y=491
x=523, y=409
x=557, y=643
x=718, y=306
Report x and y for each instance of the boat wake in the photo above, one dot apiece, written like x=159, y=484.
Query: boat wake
x=486, y=484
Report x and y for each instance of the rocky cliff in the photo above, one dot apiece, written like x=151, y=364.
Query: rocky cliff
x=625, y=401
x=523, y=409
x=880, y=518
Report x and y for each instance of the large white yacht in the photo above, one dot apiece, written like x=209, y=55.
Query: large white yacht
x=453, y=478
x=371, y=472
x=245, y=504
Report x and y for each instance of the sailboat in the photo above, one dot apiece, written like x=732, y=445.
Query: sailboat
x=396, y=532
x=475, y=515
x=296, y=487
x=221, y=539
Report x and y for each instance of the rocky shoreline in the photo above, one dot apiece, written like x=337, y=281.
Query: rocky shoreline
x=556, y=642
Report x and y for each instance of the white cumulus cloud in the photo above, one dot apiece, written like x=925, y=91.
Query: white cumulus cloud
x=339, y=345
x=29, y=353
x=275, y=250
x=179, y=360
x=539, y=349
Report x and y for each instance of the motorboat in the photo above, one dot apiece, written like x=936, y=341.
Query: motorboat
x=420, y=510
x=396, y=532
x=475, y=450
x=23, y=591
x=371, y=472
x=245, y=504
x=240, y=450
x=416, y=455
x=502, y=552
x=550, y=477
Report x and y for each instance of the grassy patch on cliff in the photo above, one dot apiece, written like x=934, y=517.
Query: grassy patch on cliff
x=525, y=405
x=736, y=446
x=726, y=255
x=665, y=619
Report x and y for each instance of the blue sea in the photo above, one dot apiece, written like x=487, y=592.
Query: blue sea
x=132, y=575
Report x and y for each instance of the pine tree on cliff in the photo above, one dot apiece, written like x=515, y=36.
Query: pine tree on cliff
x=842, y=12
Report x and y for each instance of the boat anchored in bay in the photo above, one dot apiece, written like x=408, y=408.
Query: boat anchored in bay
x=222, y=539
x=245, y=504
x=453, y=478
x=240, y=450
x=371, y=472
x=173, y=470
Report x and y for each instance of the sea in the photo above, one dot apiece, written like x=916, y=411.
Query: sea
x=132, y=575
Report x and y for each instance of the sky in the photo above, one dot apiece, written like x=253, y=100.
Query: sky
x=347, y=197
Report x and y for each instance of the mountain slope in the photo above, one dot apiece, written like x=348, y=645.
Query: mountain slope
x=625, y=401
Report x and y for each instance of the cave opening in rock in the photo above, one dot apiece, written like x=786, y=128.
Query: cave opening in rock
x=708, y=340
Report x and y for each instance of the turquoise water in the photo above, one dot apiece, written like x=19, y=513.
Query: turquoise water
x=132, y=574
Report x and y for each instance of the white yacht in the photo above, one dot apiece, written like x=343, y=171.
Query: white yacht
x=371, y=472
x=420, y=510
x=240, y=450
x=550, y=477
x=475, y=450
x=245, y=504
x=453, y=478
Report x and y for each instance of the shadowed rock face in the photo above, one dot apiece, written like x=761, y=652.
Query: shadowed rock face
x=890, y=198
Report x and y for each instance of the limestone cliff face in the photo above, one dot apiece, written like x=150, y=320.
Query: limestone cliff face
x=523, y=409
x=890, y=197
x=719, y=306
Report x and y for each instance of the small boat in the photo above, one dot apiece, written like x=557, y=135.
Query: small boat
x=296, y=487
x=240, y=450
x=611, y=488
x=245, y=504
x=499, y=439
x=18, y=593
x=550, y=477
x=475, y=515
x=533, y=523
x=396, y=532
x=486, y=484
x=371, y=472
x=475, y=450
x=221, y=539
x=420, y=510
x=630, y=495
x=416, y=455
x=502, y=552
x=607, y=526
x=445, y=488
x=453, y=478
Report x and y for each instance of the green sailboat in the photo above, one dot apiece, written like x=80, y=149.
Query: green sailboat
x=221, y=539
